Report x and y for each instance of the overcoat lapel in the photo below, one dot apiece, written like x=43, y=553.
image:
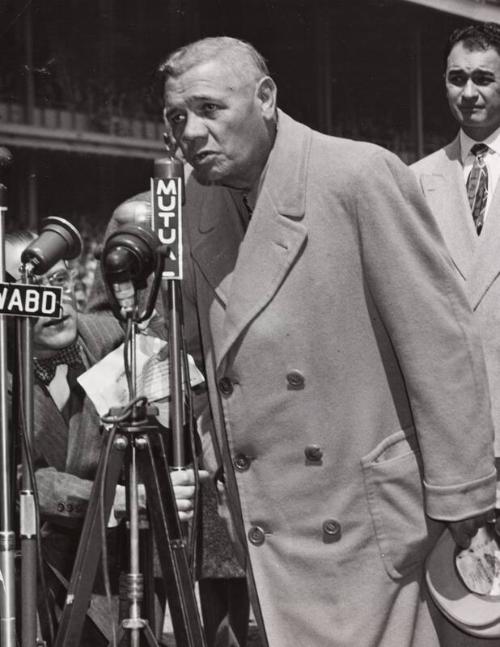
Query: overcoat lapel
x=447, y=197
x=245, y=270
x=220, y=234
x=269, y=249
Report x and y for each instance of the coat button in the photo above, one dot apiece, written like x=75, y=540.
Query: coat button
x=313, y=453
x=295, y=380
x=225, y=386
x=241, y=462
x=332, y=531
x=256, y=536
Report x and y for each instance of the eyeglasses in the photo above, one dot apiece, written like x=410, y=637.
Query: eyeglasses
x=64, y=279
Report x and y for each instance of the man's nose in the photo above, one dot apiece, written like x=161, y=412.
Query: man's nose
x=67, y=301
x=469, y=90
x=194, y=127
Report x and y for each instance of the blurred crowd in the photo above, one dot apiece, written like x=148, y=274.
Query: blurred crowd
x=86, y=263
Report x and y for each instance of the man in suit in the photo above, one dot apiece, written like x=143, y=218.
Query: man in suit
x=346, y=384
x=460, y=182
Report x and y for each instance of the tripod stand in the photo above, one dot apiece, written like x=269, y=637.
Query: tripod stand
x=135, y=441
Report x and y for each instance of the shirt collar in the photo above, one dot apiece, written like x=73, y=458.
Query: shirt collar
x=466, y=143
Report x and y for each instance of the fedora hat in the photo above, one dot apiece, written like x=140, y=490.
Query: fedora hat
x=478, y=614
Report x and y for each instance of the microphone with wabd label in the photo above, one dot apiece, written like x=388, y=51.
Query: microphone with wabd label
x=58, y=240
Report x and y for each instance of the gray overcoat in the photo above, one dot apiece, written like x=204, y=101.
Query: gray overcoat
x=347, y=386
x=346, y=383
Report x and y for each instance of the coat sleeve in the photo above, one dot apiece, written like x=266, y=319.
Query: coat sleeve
x=63, y=496
x=413, y=284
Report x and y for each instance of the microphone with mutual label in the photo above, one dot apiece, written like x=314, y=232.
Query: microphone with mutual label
x=58, y=240
x=167, y=197
x=127, y=259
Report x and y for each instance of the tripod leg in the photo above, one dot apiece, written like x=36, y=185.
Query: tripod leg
x=170, y=544
x=89, y=547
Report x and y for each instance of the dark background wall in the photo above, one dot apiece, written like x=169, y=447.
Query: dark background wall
x=347, y=67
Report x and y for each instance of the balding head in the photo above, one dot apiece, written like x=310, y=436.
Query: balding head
x=237, y=55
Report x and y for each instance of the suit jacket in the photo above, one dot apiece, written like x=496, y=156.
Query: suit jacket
x=66, y=457
x=346, y=384
x=476, y=258
x=477, y=263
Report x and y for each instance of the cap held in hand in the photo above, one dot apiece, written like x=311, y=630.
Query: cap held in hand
x=465, y=584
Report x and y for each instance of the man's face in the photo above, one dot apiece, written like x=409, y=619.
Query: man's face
x=221, y=122
x=473, y=89
x=49, y=335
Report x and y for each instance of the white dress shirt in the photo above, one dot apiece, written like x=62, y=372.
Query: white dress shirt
x=59, y=387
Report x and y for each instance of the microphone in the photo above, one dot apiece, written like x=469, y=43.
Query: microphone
x=58, y=240
x=127, y=259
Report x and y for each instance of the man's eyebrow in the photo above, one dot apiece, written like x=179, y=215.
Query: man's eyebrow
x=476, y=70
x=197, y=98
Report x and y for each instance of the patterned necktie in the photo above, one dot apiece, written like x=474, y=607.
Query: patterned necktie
x=477, y=185
x=45, y=368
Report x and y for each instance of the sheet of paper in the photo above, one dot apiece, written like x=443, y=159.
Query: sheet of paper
x=106, y=384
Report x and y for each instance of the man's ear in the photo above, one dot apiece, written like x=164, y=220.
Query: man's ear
x=267, y=93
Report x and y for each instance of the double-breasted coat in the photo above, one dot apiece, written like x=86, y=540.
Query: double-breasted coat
x=477, y=264
x=346, y=384
x=347, y=387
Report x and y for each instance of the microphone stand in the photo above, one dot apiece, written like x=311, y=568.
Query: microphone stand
x=28, y=526
x=170, y=170
x=7, y=535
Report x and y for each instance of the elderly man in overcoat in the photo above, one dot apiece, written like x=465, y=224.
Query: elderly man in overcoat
x=346, y=384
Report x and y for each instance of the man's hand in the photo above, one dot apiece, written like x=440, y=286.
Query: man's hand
x=183, y=483
x=463, y=531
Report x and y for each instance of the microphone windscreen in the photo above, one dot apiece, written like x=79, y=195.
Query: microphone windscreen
x=58, y=240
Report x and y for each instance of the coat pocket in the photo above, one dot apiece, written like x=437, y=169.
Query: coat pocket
x=392, y=475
